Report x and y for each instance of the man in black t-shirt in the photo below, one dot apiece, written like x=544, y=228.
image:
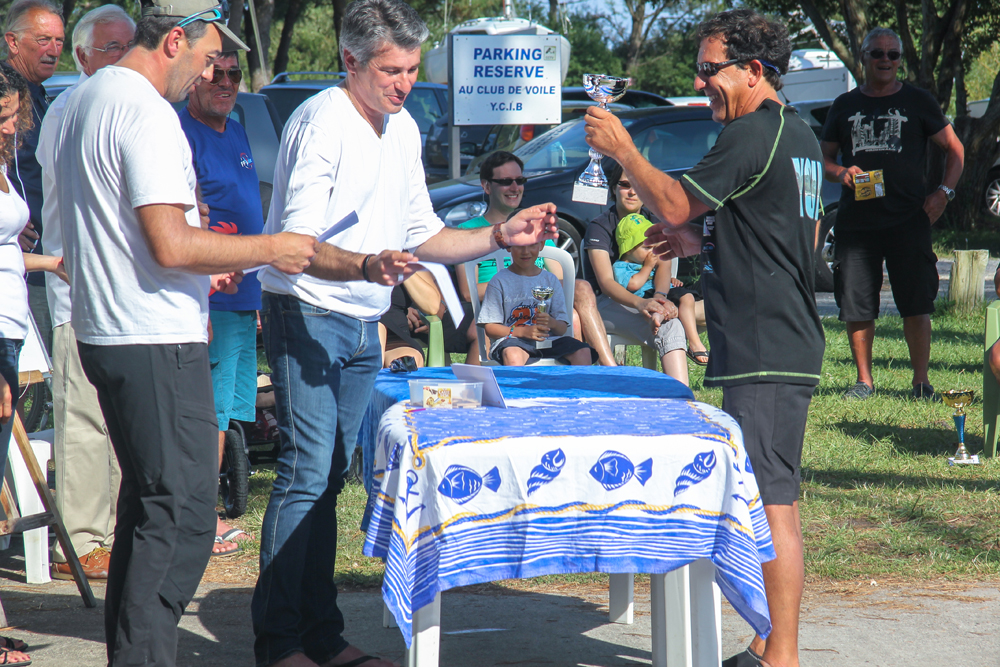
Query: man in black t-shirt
x=760, y=186
x=885, y=124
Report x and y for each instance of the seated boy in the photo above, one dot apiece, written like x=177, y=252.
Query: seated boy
x=511, y=322
x=634, y=271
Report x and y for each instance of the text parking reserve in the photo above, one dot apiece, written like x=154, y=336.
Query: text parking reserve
x=509, y=71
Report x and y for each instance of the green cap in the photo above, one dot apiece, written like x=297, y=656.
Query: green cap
x=631, y=232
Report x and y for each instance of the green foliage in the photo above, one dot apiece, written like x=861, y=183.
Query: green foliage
x=590, y=49
x=668, y=65
x=314, y=44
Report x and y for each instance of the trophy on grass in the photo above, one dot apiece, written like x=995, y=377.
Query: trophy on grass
x=542, y=296
x=592, y=185
x=959, y=399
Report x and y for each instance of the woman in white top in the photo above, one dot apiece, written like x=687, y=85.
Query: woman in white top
x=15, y=118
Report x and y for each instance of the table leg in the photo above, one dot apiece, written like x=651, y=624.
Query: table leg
x=706, y=615
x=425, y=647
x=670, y=618
x=620, y=598
x=388, y=620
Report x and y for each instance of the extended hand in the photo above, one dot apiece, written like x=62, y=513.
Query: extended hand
x=606, y=134
x=27, y=238
x=391, y=267
x=847, y=176
x=60, y=270
x=293, y=252
x=227, y=283
x=670, y=242
x=934, y=205
x=532, y=225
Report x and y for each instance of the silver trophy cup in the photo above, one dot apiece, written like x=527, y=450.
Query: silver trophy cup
x=542, y=296
x=592, y=185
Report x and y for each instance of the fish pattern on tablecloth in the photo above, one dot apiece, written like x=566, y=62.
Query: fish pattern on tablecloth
x=546, y=471
x=696, y=471
x=613, y=470
x=462, y=483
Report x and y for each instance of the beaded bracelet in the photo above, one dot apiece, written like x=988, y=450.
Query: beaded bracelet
x=498, y=237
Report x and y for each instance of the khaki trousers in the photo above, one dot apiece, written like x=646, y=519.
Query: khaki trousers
x=87, y=474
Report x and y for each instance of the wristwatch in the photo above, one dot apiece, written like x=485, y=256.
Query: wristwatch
x=948, y=192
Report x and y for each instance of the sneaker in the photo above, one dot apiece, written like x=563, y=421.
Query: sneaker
x=859, y=392
x=745, y=659
x=925, y=392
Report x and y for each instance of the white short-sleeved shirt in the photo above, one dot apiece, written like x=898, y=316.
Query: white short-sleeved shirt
x=330, y=163
x=120, y=146
x=13, y=289
x=56, y=288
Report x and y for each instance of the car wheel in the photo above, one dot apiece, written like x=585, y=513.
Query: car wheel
x=569, y=240
x=824, y=253
x=993, y=194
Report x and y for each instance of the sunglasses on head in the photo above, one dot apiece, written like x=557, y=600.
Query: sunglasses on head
x=877, y=54
x=235, y=75
x=520, y=180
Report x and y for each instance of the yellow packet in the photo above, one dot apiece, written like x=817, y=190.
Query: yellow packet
x=437, y=397
x=868, y=185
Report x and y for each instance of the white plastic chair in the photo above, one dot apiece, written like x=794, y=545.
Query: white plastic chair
x=568, y=283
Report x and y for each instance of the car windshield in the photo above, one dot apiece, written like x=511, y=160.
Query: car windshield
x=668, y=146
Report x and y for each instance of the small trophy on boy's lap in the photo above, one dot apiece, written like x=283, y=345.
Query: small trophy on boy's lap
x=542, y=295
x=592, y=185
x=959, y=399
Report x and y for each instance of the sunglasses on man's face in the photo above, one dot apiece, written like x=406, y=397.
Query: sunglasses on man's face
x=878, y=54
x=708, y=70
x=520, y=180
x=235, y=75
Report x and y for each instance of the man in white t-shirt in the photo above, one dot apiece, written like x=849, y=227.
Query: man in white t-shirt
x=350, y=150
x=138, y=259
x=87, y=475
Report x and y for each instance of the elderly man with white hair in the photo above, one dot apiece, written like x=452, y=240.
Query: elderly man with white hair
x=87, y=474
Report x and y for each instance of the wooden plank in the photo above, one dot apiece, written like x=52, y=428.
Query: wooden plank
x=42, y=486
x=14, y=526
x=30, y=377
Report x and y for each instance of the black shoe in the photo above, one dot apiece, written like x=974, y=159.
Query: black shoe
x=859, y=392
x=745, y=658
x=925, y=392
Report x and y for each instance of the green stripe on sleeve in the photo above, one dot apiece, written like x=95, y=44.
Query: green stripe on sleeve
x=718, y=204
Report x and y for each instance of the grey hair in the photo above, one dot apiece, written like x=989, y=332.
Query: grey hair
x=875, y=34
x=19, y=10
x=371, y=25
x=83, y=33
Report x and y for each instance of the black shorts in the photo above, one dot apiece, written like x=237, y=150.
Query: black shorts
x=772, y=417
x=561, y=347
x=909, y=260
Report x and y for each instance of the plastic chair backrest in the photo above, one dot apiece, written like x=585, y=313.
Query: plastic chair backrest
x=548, y=252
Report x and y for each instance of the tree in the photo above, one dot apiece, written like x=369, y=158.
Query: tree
x=940, y=39
x=590, y=50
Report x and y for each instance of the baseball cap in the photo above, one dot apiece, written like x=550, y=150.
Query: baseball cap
x=209, y=11
x=631, y=232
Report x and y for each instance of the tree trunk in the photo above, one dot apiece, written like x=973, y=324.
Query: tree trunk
x=637, y=11
x=554, y=14
x=339, y=9
x=292, y=15
x=260, y=69
x=67, y=10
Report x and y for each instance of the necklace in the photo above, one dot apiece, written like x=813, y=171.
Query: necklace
x=357, y=108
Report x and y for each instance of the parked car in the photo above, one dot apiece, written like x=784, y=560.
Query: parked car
x=991, y=195
x=426, y=102
x=672, y=138
x=437, y=159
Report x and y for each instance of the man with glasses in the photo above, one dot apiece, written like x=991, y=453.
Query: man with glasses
x=760, y=188
x=87, y=474
x=227, y=178
x=34, y=37
x=884, y=124
x=139, y=262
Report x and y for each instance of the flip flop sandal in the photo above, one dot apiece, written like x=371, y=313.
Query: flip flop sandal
x=747, y=658
x=11, y=644
x=231, y=535
x=219, y=554
x=700, y=357
x=5, y=659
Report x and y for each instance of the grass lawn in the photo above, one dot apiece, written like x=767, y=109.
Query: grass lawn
x=878, y=498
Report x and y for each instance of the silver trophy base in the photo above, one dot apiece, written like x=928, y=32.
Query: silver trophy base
x=587, y=194
x=543, y=344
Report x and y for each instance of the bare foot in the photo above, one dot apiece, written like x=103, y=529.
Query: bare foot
x=221, y=528
x=353, y=653
x=295, y=660
x=13, y=658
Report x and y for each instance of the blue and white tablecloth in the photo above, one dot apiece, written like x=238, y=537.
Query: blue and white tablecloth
x=557, y=485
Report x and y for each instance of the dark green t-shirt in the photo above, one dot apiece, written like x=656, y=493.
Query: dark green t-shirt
x=762, y=178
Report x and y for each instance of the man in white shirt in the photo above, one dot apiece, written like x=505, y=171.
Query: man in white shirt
x=87, y=475
x=350, y=150
x=138, y=259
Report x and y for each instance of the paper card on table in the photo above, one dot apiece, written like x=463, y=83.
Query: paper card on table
x=443, y=279
x=349, y=220
x=492, y=396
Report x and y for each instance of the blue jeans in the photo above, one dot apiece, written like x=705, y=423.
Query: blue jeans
x=323, y=367
x=10, y=352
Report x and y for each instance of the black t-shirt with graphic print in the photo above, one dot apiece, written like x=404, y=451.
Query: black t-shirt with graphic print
x=762, y=178
x=888, y=133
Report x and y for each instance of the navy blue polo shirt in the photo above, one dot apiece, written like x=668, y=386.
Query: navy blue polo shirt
x=227, y=177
